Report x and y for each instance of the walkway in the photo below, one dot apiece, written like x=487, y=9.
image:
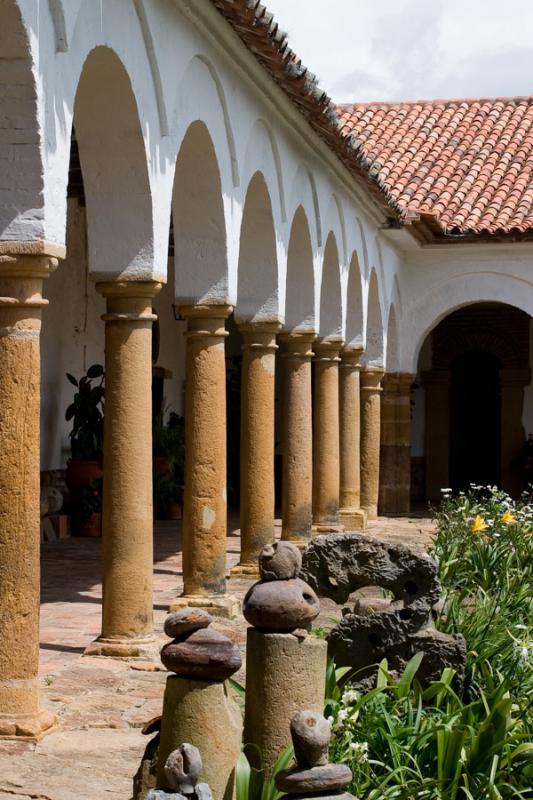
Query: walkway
x=102, y=704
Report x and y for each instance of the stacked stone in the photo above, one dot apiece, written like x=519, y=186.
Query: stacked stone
x=285, y=668
x=183, y=768
x=313, y=776
x=196, y=706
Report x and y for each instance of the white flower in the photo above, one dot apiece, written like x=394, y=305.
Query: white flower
x=342, y=716
x=446, y=491
x=360, y=750
x=331, y=720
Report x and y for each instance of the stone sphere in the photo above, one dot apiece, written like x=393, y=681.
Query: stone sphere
x=310, y=732
x=204, y=655
x=281, y=606
x=186, y=620
x=279, y=561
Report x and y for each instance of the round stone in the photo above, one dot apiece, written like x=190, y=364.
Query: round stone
x=205, y=655
x=310, y=732
x=186, y=620
x=279, y=561
x=327, y=778
x=281, y=606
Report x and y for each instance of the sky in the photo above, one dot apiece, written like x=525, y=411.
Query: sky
x=364, y=50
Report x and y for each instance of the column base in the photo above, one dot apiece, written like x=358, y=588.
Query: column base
x=145, y=648
x=220, y=605
x=27, y=727
x=353, y=519
x=327, y=527
x=244, y=571
x=371, y=514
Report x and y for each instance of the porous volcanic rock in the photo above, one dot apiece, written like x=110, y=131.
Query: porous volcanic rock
x=340, y=563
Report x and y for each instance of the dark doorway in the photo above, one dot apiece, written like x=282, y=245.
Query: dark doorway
x=475, y=420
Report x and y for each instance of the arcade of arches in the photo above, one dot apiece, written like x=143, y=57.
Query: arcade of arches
x=157, y=163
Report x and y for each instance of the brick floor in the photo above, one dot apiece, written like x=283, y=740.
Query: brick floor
x=102, y=703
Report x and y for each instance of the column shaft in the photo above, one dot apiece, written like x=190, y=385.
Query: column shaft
x=326, y=473
x=205, y=503
x=351, y=514
x=20, y=325
x=127, y=539
x=297, y=437
x=257, y=441
x=370, y=439
x=395, y=459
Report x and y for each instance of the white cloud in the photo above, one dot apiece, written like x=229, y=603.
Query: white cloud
x=407, y=49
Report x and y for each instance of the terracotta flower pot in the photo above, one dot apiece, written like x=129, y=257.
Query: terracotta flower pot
x=80, y=473
x=90, y=526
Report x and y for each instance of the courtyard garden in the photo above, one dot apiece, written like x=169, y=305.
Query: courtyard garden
x=448, y=741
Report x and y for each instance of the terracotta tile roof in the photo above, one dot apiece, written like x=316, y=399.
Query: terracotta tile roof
x=464, y=165
x=448, y=167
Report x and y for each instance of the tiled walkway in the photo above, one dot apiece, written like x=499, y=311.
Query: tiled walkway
x=102, y=703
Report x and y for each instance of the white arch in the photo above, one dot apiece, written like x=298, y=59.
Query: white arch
x=304, y=193
x=374, y=339
x=300, y=310
x=262, y=155
x=462, y=290
x=258, y=287
x=334, y=221
x=392, y=363
x=115, y=170
x=354, y=305
x=200, y=244
x=330, y=324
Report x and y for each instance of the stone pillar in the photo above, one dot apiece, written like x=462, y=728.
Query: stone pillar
x=205, y=503
x=351, y=515
x=127, y=536
x=21, y=304
x=326, y=470
x=370, y=439
x=257, y=442
x=395, y=453
x=297, y=437
x=437, y=440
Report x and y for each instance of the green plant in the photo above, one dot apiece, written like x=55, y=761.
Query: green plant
x=87, y=414
x=403, y=742
x=90, y=499
x=169, y=443
x=251, y=783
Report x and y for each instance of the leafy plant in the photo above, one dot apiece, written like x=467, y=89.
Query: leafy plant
x=90, y=499
x=169, y=443
x=252, y=783
x=87, y=414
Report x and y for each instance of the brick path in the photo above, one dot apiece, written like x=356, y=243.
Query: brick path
x=102, y=703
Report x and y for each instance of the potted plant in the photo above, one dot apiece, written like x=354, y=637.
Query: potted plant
x=169, y=465
x=86, y=437
x=88, y=516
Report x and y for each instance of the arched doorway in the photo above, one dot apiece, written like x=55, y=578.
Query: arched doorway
x=475, y=420
x=473, y=401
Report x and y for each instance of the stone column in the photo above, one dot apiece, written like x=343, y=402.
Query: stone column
x=21, y=304
x=395, y=453
x=297, y=437
x=127, y=536
x=326, y=470
x=436, y=384
x=205, y=503
x=257, y=441
x=351, y=514
x=370, y=439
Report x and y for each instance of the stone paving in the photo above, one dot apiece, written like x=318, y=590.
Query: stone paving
x=101, y=703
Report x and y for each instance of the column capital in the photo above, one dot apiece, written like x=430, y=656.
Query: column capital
x=397, y=382
x=371, y=378
x=260, y=336
x=297, y=342
x=16, y=265
x=350, y=357
x=129, y=301
x=205, y=311
x=328, y=348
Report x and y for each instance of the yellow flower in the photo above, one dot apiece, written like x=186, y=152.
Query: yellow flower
x=508, y=518
x=478, y=525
